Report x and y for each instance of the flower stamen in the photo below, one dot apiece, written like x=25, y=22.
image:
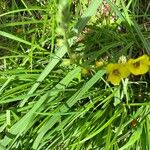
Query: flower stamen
x=136, y=64
x=116, y=72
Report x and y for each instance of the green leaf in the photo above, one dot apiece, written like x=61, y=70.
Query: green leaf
x=23, y=123
x=145, y=42
x=135, y=136
x=64, y=108
x=91, y=11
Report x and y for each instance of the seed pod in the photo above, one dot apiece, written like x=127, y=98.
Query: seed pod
x=134, y=122
x=99, y=64
x=85, y=72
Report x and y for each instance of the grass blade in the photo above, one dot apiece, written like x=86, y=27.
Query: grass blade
x=70, y=102
x=135, y=136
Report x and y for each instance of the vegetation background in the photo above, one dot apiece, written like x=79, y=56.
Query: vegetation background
x=54, y=92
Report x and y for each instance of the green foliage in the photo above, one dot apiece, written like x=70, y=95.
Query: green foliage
x=52, y=94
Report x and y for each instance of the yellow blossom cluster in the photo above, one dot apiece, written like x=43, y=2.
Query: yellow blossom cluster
x=118, y=71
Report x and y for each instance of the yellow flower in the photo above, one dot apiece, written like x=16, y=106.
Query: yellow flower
x=139, y=65
x=117, y=72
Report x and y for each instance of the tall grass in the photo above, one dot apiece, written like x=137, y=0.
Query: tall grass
x=52, y=94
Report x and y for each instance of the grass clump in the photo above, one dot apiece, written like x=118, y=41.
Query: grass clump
x=55, y=92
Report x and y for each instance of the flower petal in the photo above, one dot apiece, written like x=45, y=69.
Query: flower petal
x=142, y=70
x=110, y=67
x=123, y=68
x=144, y=58
x=115, y=80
